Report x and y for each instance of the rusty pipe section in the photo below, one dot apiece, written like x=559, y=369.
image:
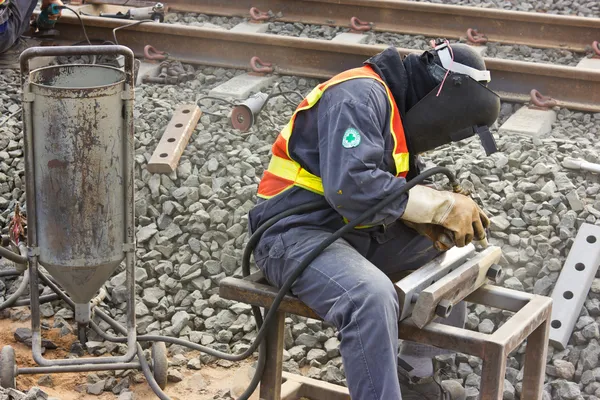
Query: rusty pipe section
x=436, y=20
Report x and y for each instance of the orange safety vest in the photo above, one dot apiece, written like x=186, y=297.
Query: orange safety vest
x=284, y=173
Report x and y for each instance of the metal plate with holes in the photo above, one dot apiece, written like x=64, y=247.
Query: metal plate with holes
x=428, y=274
x=573, y=284
x=168, y=152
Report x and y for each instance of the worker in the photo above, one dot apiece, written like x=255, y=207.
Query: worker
x=14, y=22
x=354, y=140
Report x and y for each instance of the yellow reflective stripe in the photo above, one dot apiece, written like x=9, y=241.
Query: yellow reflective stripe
x=347, y=221
x=402, y=162
x=292, y=171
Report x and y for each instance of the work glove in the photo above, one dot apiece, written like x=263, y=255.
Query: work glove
x=441, y=237
x=457, y=213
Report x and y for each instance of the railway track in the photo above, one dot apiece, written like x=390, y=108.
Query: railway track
x=573, y=88
x=437, y=20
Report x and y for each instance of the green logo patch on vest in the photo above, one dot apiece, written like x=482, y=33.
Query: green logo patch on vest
x=351, y=138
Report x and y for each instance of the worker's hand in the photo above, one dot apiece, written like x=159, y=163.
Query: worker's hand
x=46, y=3
x=455, y=212
x=440, y=236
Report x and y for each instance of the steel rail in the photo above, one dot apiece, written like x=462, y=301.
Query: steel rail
x=435, y=20
x=574, y=88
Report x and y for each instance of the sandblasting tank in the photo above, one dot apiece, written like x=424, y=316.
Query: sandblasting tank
x=79, y=171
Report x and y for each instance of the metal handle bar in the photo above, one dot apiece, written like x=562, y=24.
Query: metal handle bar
x=65, y=51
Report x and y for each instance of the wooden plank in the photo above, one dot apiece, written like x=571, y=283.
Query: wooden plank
x=455, y=286
x=165, y=158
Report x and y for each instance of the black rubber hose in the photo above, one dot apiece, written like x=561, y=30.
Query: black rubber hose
x=18, y=293
x=260, y=337
x=312, y=206
x=47, y=298
x=9, y=272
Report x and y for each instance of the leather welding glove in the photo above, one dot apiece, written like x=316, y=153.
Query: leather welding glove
x=455, y=212
x=440, y=236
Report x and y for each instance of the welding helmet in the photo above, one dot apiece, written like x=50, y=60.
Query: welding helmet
x=459, y=107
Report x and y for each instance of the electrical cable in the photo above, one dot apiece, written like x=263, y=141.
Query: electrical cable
x=128, y=26
x=229, y=103
x=80, y=21
x=18, y=293
x=262, y=326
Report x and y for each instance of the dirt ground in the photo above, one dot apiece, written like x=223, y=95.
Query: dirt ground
x=203, y=384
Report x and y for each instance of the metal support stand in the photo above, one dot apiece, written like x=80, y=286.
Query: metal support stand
x=125, y=175
x=530, y=321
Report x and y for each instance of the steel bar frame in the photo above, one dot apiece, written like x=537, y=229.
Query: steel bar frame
x=435, y=20
x=531, y=320
x=573, y=88
x=128, y=151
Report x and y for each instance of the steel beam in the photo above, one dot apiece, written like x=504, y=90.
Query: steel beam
x=574, y=283
x=454, y=287
x=434, y=20
x=408, y=288
x=573, y=87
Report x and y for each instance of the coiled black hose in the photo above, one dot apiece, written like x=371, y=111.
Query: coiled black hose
x=262, y=326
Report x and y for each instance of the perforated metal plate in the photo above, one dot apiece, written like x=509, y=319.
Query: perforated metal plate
x=574, y=283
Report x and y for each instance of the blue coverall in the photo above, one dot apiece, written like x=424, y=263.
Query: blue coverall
x=14, y=21
x=347, y=285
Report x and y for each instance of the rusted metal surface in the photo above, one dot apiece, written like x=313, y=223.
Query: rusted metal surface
x=150, y=53
x=530, y=320
x=166, y=156
x=541, y=101
x=303, y=387
x=260, y=67
x=170, y=72
x=572, y=87
x=435, y=20
x=78, y=173
x=409, y=287
x=255, y=290
x=258, y=15
x=359, y=26
x=270, y=384
x=455, y=286
x=473, y=36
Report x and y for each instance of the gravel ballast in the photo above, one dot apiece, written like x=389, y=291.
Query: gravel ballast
x=192, y=228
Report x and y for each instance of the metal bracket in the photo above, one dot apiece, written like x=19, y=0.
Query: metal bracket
x=128, y=247
x=574, y=283
x=33, y=252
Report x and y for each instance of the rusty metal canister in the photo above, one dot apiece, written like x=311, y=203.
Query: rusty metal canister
x=78, y=131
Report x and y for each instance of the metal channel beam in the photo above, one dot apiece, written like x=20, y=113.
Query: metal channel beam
x=574, y=283
x=438, y=268
x=435, y=20
x=573, y=87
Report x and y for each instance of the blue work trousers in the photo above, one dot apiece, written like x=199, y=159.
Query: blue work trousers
x=15, y=21
x=348, y=286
